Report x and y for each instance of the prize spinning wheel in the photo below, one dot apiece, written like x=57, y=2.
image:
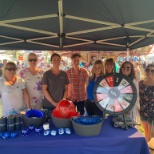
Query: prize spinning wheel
x=115, y=94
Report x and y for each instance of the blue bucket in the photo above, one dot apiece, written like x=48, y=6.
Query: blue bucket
x=34, y=114
x=33, y=117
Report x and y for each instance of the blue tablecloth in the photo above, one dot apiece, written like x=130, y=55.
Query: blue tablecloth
x=110, y=141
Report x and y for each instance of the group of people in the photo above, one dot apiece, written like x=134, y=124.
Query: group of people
x=33, y=88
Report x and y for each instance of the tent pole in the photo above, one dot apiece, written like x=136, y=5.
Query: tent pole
x=128, y=53
x=60, y=9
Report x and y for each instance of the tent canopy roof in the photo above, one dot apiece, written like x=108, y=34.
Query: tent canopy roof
x=109, y=25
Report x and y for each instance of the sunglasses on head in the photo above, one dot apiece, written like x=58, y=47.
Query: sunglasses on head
x=149, y=70
x=32, y=60
x=124, y=67
x=11, y=69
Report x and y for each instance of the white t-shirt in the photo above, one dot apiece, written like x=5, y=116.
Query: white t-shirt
x=33, y=83
x=12, y=96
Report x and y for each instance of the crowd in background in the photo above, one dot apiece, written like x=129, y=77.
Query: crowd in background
x=65, y=65
x=34, y=87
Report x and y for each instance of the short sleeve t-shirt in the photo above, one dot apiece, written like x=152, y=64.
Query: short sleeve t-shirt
x=12, y=96
x=34, y=87
x=56, y=86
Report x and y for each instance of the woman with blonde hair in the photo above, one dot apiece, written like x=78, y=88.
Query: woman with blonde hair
x=96, y=73
x=33, y=77
x=13, y=91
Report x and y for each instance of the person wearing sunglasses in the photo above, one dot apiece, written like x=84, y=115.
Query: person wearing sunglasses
x=146, y=94
x=127, y=69
x=13, y=91
x=33, y=77
x=54, y=84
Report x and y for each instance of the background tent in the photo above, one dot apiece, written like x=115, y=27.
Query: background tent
x=76, y=24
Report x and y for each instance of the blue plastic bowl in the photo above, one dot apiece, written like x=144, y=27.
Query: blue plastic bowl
x=34, y=114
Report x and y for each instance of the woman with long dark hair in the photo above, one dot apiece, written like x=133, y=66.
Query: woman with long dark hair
x=127, y=69
x=109, y=66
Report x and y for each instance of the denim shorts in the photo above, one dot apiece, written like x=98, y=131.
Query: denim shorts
x=146, y=119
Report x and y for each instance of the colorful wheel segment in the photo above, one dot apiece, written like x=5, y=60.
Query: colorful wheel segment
x=115, y=94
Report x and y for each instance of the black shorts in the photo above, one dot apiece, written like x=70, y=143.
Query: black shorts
x=80, y=107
